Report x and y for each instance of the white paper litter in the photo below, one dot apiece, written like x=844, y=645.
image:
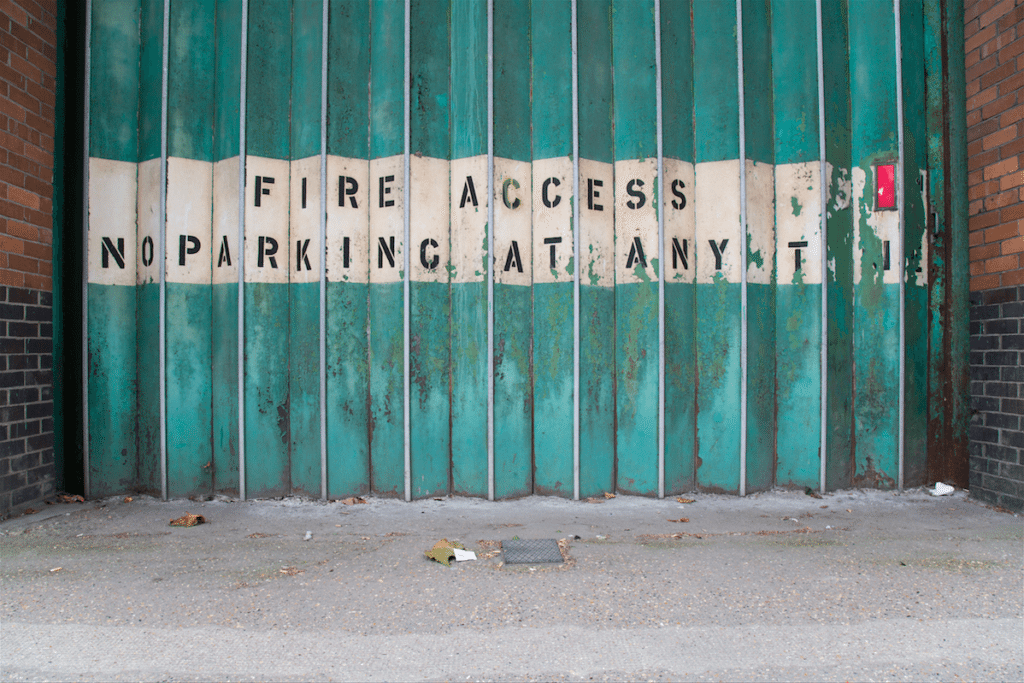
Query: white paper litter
x=463, y=555
x=941, y=489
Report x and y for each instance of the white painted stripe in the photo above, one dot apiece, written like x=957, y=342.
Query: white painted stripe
x=679, y=243
x=901, y=262
x=717, y=205
x=636, y=220
x=760, y=222
x=244, y=61
x=490, y=249
x=323, y=251
x=387, y=219
x=823, y=255
x=597, y=222
x=268, y=249
x=304, y=222
x=86, y=236
x=188, y=244
x=113, y=191
x=406, y=312
x=163, y=251
x=469, y=219
x=348, y=218
x=553, y=182
x=224, y=244
x=148, y=242
x=513, y=243
x=743, y=250
x=575, y=259
x=429, y=202
x=661, y=254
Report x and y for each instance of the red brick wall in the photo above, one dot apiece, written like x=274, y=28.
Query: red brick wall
x=994, y=51
x=27, y=98
x=994, y=47
x=27, y=71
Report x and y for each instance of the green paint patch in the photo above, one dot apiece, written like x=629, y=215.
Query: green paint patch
x=755, y=257
x=797, y=207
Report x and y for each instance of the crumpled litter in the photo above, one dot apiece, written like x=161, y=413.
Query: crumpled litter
x=941, y=489
x=66, y=498
x=188, y=520
x=354, y=500
x=444, y=552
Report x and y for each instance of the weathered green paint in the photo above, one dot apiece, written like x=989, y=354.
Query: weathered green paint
x=716, y=132
x=597, y=303
x=304, y=308
x=797, y=316
x=915, y=222
x=267, y=310
x=148, y=311
x=469, y=299
x=113, y=134
x=224, y=296
x=513, y=314
x=680, y=349
x=348, y=71
x=190, y=118
x=430, y=306
x=839, y=214
x=387, y=444
x=761, y=312
x=876, y=304
x=552, y=302
x=113, y=454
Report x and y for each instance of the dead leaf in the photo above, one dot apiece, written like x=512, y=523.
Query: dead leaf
x=849, y=510
x=65, y=498
x=354, y=500
x=259, y=534
x=439, y=499
x=824, y=507
x=188, y=520
x=127, y=499
x=609, y=495
x=681, y=519
x=30, y=511
x=685, y=500
x=443, y=551
x=291, y=571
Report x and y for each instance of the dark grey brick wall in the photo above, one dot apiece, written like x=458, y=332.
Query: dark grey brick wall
x=997, y=396
x=26, y=398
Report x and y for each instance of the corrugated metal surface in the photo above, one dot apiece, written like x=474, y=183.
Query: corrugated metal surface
x=711, y=325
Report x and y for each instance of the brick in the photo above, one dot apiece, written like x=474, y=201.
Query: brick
x=1012, y=148
x=1011, y=180
x=991, y=358
x=982, y=190
x=1010, y=19
x=995, y=170
x=981, y=221
x=1009, y=51
x=1013, y=341
x=995, y=13
x=1011, y=116
x=983, y=98
x=1013, y=83
x=979, y=129
x=995, y=297
x=998, y=201
x=986, y=34
x=984, y=252
x=1013, y=374
x=1000, y=137
x=992, y=76
x=1012, y=405
x=983, y=282
x=998, y=105
x=984, y=343
x=980, y=161
x=1012, y=439
x=972, y=10
x=28, y=494
x=1014, y=245
x=980, y=372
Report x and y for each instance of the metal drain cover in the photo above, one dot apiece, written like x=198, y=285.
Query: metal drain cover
x=531, y=551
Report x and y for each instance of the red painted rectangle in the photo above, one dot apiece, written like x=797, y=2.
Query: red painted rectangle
x=885, y=186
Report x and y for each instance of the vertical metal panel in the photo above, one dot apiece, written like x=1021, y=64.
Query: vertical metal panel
x=597, y=257
x=149, y=232
x=386, y=199
x=839, y=213
x=469, y=252
x=553, y=283
x=111, y=246
x=575, y=255
x=916, y=249
x=760, y=239
x=224, y=333
x=873, y=128
x=348, y=72
x=304, y=256
x=718, y=256
x=188, y=246
x=513, y=260
x=798, y=193
x=430, y=206
x=636, y=248
x=322, y=246
x=268, y=252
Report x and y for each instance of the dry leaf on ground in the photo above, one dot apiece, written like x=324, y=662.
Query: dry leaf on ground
x=188, y=520
x=685, y=500
x=681, y=519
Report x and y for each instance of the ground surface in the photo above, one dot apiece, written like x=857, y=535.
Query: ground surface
x=776, y=586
